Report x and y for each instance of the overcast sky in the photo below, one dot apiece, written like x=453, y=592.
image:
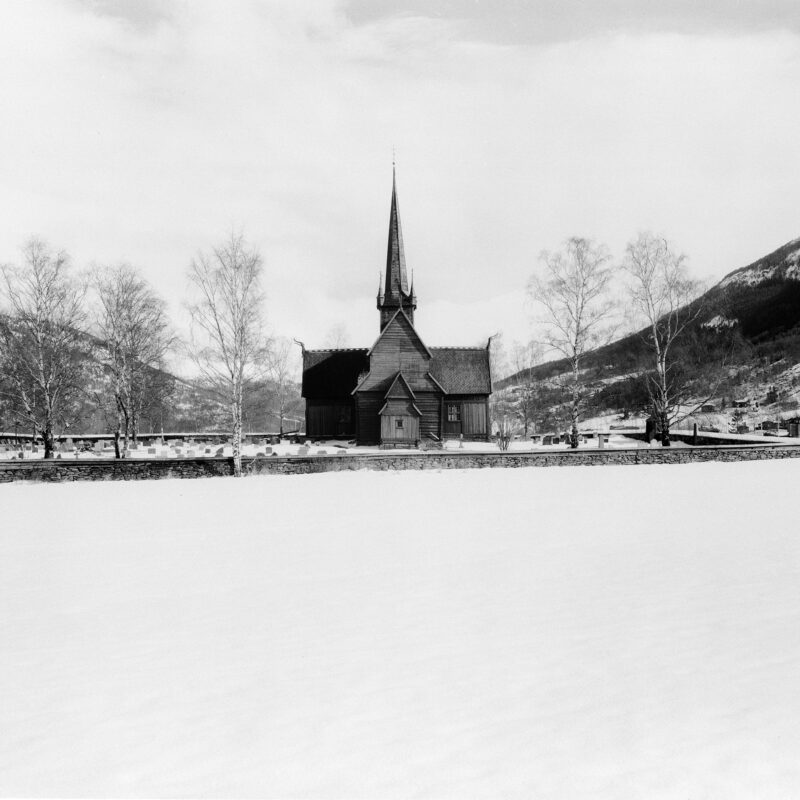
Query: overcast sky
x=144, y=131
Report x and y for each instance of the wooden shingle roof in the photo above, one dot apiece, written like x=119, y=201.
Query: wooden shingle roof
x=332, y=373
x=462, y=370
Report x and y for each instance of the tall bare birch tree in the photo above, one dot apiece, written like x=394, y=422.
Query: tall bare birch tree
x=134, y=334
x=227, y=340
x=662, y=295
x=573, y=291
x=44, y=355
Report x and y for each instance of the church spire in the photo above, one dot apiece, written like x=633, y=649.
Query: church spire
x=395, y=289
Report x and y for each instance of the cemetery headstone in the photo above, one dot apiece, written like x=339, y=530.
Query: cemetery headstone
x=302, y=451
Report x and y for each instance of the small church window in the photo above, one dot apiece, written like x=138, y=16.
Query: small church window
x=398, y=423
x=453, y=412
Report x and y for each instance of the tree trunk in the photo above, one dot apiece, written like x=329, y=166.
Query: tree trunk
x=49, y=440
x=117, y=435
x=237, y=437
x=664, y=419
x=573, y=434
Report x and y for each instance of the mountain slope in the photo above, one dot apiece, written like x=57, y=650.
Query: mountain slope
x=757, y=305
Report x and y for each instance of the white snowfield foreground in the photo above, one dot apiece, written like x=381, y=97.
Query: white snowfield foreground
x=570, y=633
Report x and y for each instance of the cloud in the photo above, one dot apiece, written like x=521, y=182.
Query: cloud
x=147, y=133
x=550, y=21
x=143, y=16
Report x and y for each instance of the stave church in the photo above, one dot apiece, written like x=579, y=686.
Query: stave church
x=399, y=391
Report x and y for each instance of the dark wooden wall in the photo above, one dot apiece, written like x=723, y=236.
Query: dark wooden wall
x=330, y=417
x=368, y=406
x=474, y=423
x=430, y=406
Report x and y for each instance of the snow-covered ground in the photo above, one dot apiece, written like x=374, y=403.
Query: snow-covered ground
x=614, y=632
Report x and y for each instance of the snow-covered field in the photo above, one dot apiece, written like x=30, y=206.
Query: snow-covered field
x=613, y=632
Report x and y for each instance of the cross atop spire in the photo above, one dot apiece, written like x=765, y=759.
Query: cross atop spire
x=395, y=287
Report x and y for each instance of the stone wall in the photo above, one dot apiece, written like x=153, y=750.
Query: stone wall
x=109, y=469
x=138, y=469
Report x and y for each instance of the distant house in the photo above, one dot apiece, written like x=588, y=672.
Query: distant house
x=747, y=403
x=399, y=391
x=708, y=408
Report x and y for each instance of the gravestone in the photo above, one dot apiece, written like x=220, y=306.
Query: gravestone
x=302, y=451
x=151, y=451
x=547, y=439
x=322, y=452
x=69, y=443
x=268, y=451
x=220, y=452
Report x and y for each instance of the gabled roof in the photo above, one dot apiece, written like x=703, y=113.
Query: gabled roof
x=462, y=370
x=413, y=405
x=416, y=382
x=332, y=373
x=394, y=318
x=400, y=388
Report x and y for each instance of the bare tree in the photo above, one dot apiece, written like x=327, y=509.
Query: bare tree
x=134, y=334
x=662, y=295
x=282, y=372
x=337, y=336
x=524, y=358
x=43, y=353
x=227, y=341
x=573, y=290
x=502, y=407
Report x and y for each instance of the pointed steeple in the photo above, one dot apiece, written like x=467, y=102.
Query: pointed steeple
x=395, y=288
x=396, y=277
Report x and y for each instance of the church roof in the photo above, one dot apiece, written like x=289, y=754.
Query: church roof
x=454, y=370
x=332, y=373
x=400, y=387
x=462, y=370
